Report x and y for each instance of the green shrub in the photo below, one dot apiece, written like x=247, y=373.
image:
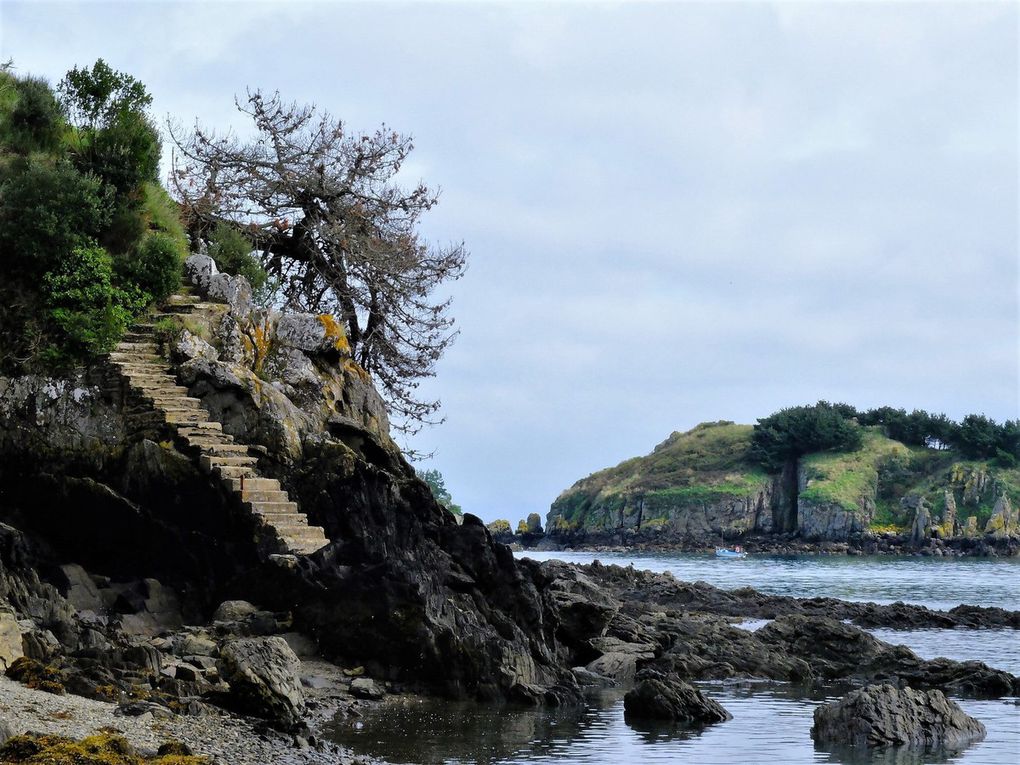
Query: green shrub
x=125, y=154
x=800, y=430
x=232, y=252
x=36, y=121
x=87, y=313
x=155, y=266
x=46, y=210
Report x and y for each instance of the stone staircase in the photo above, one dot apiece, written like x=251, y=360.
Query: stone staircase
x=150, y=379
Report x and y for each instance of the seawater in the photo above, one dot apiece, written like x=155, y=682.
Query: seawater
x=771, y=721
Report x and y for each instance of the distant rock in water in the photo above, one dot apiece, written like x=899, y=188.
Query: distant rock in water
x=659, y=696
x=884, y=716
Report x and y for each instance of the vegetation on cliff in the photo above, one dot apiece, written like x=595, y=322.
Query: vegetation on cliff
x=88, y=237
x=825, y=459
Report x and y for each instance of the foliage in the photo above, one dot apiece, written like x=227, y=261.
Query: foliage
x=800, y=430
x=96, y=97
x=115, y=139
x=35, y=122
x=46, y=210
x=89, y=313
x=83, y=197
x=534, y=523
x=232, y=252
x=437, y=484
x=336, y=231
x=155, y=266
x=499, y=526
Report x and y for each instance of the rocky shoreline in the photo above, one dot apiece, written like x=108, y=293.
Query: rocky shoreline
x=869, y=543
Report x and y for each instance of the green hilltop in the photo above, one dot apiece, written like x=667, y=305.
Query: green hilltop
x=716, y=479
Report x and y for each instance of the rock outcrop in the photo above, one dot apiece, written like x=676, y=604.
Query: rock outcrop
x=885, y=716
x=656, y=696
x=263, y=673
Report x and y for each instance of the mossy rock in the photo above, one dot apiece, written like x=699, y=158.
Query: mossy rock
x=99, y=749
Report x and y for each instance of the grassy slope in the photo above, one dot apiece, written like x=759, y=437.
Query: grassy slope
x=710, y=463
x=704, y=464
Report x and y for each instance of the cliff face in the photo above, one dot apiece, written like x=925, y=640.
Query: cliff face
x=401, y=587
x=699, y=487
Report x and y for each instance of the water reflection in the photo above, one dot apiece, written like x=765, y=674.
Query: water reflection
x=771, y=723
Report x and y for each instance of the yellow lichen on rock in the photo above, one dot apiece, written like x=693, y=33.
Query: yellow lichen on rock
x=100, y=749
x=335, y=332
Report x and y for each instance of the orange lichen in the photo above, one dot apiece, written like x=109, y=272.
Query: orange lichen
x=335, y=332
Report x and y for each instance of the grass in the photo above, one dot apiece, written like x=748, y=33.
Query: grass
x=845, y=478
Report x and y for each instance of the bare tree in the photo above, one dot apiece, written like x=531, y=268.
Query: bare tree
x=335, y=230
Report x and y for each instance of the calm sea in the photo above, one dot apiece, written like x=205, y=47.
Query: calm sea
x=771, y=721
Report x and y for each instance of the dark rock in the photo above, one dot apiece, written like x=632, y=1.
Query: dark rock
x=659, y=696
x=264, y=679
x=366, y=688
x=233, y=611
x=882, y=715
x=139, y=708
x=178, y=748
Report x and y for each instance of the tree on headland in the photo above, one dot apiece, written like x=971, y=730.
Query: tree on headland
x=793, y=432
x=437, y=484
x=337, y=232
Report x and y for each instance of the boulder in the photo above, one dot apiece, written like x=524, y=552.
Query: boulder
x=200, y=269
x=312, y=334
x=366, y=688
x=619, y=659
x=10, y=640
x=264, y=678
x=659, y=696
x=6, y=731
x=233, y=611
x=232, y=290
x=883, y=715
x=1003, y=521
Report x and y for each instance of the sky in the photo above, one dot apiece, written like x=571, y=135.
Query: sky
x=676, y=212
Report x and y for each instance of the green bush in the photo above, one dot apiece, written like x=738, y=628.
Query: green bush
x=155, y=266
x=87, y=312
x=36, y=122
x=46, y=210
x=800, y=430
x=125, y=154
x=232, y=252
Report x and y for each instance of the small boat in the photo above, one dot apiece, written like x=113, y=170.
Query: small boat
x=722, y=552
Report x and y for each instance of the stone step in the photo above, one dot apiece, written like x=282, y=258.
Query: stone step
x=273, y=508
x=263, y=496
x=177, y=309
x=290, y=520
x=142, y=328
x=234, y=472
x=209, y=462
x=204, y=429
x=218, y=448
x=190, y=417
x=146, y=345
x=300, y=531
x=182, y=299
x=253, y=484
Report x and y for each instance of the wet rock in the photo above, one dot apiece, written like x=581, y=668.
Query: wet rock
x=366, y=688
x=619, y=660
x=660, y=696
x=263, y=674
x=882, y=716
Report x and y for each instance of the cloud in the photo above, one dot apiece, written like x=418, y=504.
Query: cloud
x=676, y=212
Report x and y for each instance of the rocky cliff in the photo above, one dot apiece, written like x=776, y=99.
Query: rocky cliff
x=134, y=475
x=700, y=487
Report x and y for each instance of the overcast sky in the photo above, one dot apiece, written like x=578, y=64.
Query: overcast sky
x=676, y=212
